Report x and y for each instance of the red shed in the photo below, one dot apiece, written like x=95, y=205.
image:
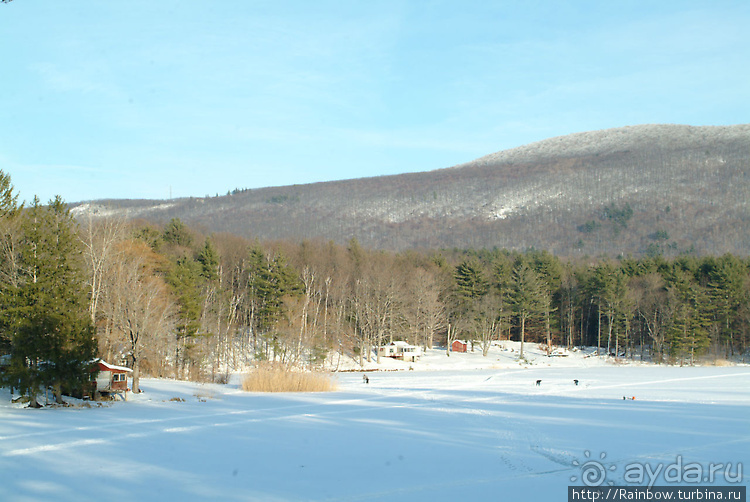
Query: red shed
x=458, y=346
x=111, y=378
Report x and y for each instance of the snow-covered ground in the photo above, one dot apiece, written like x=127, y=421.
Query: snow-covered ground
x=463, y=427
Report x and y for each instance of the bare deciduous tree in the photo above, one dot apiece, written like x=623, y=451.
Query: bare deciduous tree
x=100, y=238
x=139, y=305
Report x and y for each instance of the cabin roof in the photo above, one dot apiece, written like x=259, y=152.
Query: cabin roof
x=105, y=366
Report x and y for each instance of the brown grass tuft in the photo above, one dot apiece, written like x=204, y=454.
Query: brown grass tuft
x=281, y=378
x=722, y=362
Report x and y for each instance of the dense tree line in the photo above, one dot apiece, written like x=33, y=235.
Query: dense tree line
x=171, y=301
x=220, y=301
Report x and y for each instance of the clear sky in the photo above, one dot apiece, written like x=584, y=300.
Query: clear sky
x=147, y=99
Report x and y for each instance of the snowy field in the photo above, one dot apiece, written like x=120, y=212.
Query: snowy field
x=459, y=428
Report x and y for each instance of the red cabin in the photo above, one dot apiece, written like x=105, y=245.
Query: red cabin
x=458, y=346
x=111, y=378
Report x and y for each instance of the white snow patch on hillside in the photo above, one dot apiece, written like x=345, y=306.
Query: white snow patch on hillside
x=103, y=211
x=507, y=204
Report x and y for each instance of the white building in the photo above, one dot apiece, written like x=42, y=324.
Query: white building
x=401, y=350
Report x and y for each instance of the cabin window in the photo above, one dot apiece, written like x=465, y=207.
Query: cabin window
x=118, y=377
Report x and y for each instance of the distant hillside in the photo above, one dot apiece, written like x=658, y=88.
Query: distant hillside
x=631, y=190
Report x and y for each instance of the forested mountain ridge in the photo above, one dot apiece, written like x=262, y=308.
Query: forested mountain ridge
x=635, y=190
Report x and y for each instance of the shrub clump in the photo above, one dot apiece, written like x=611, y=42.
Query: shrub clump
x=282, y=378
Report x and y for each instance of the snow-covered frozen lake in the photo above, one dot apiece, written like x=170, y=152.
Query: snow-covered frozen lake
x=444, y=434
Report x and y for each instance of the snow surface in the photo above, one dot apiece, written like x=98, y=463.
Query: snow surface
x=463, y=427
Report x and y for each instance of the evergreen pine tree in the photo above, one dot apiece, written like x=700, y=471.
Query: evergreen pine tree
x=184, y=278
x=688, y=335
x=470, y=281
x=471, y=288
x=270, y=279
x=726, y=286
x=53, y=341
x=9, y=264
x=529, y=296
x=175, y=232
x=610, y=288
x=209, y=260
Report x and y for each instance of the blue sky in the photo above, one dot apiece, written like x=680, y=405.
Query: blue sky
x=147, y=99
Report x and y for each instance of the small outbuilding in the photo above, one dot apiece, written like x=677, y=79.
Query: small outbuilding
x=459, y=346
x=110, y=378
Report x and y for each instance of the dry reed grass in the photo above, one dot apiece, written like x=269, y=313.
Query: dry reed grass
x=281, y=378
x=722, y=362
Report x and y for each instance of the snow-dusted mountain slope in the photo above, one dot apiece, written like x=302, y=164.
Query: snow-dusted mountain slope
x=686, y=189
